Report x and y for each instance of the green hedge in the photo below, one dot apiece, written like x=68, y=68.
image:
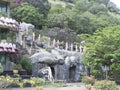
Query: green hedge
x=105, y=85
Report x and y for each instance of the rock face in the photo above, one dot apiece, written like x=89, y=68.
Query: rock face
x=57, y=65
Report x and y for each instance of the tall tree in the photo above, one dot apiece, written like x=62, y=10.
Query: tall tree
x=103, y=49
x=29, y=14
x=42, y=5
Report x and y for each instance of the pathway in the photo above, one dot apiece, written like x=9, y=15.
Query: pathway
x=70, y=86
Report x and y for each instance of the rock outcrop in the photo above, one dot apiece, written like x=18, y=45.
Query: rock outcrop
x=57, y=65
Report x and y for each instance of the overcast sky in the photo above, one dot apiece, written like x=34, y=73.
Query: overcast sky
x=117, y=2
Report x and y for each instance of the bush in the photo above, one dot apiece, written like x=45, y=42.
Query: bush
x=88, y=80
x=17, y=67
x=8, y=81
x=27, y=83
x=38, y=81
x=26, y=64
x=105, y=85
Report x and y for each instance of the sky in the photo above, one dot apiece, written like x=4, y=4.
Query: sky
x=117, y=2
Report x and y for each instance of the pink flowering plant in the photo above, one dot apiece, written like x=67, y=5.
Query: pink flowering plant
x=88, y=80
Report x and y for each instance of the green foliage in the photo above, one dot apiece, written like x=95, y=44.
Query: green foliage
x=38, y=81
x=27, y=13
x=82, y=16
x=1, y=68
x=103, y=48
x=45, y=39
x=82, y=5
x=105, y=85
x=42, y=5
x=97, y=8
x=18, y=67
x=115, y=69
x=26, y=64
x=57, y=20
x=112, y=7
x=7, y=81
x=3, y=14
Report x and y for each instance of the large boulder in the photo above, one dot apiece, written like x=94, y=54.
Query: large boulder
x=63, y=64
x=43, y=57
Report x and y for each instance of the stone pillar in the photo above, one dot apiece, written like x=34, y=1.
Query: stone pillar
x=80, y=48
x=49, y=43
x=76, y=48
x=71, y=47
x=39, y=37
x=33, y=36
x=66, y=46
x=54, y=42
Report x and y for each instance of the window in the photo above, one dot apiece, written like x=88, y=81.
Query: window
x=3, y=7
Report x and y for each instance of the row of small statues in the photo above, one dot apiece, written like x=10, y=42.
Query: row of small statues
x=65, y=45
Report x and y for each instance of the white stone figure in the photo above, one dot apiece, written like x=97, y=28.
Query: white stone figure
x=21, y=42
x=76, y=48
x=66, y=46
x=1, y=44
x=39, y=37
x=49, y=41
x=26, y=30
x=33, y=36
x=14, y=46
x=71, y=47
x=80, y=48
x=54, y=42
x=6, y=45
x=10, y=45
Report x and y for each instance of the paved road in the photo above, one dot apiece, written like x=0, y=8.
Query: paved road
x=51, y=88
x=73, y=86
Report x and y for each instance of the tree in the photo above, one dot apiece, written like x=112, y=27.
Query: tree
x=29, y=14
x=57, y=20
x=96, y=8
x=103, y=49
x=42, y=5
x=82, y=5
x=113, y=8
